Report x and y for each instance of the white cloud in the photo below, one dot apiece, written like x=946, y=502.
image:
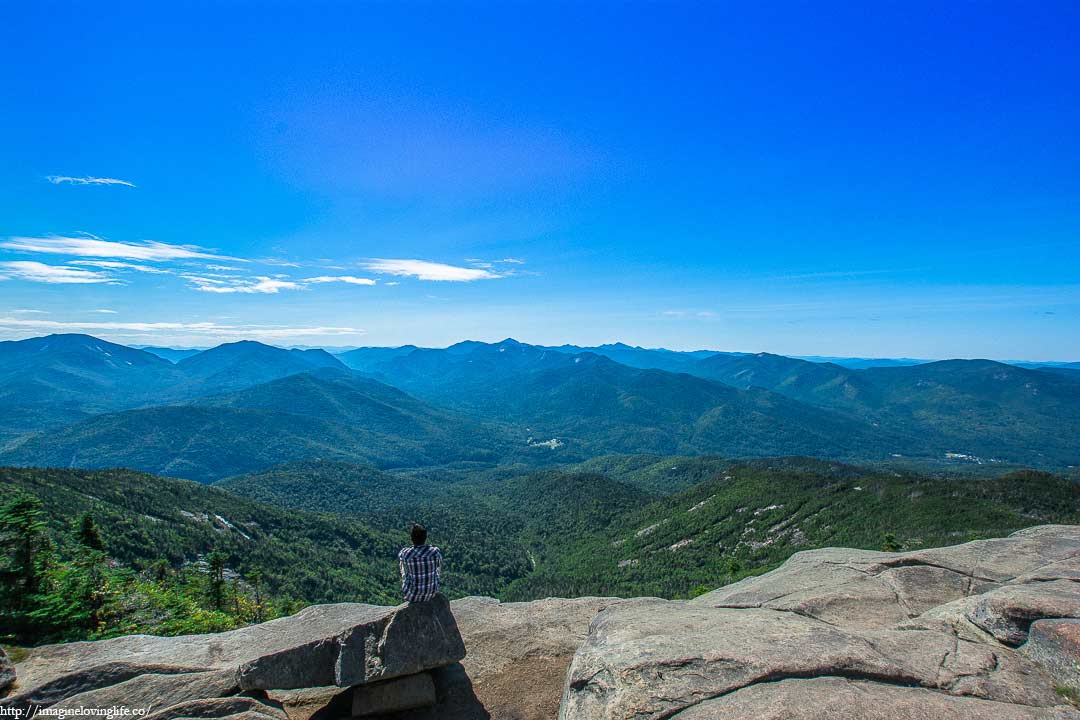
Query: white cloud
x=22, y=311
x=90, y=180
x=114, y=265
x=201, y=329
x=350, y=279
x=512, y=261
x=105, y=312
x=40, y=272
x=424, y=270
x=259, y=284
x=91, y=246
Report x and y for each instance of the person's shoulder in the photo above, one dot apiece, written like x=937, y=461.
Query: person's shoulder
x=436, y=551
x=404, y=552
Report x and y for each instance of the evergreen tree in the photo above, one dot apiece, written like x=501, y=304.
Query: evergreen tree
x=255, y=579
x=88, y=534
x=889, y=543
x=160, y=570
x=216, y=563
x=22, y=537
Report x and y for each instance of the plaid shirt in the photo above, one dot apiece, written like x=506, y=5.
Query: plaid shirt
x=420, y=566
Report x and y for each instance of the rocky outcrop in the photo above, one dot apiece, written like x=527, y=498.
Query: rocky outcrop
x=343, y=646
x=842, y=633
x=985, y=629
x=7, y=673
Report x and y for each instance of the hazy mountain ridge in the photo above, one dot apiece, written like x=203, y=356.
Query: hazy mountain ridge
x=328, y=415
x=242, y=407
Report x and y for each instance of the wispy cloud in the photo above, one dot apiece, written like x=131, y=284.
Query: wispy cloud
x=116, y=265
x=103, y=311
x=424, y=270
x=836, y=274
x=201, y=328
x=89, y=180
x=350, y=279
x=259, y=284
x=227, y=284
x=23, y=311
x=56, y=274
x=93, y=246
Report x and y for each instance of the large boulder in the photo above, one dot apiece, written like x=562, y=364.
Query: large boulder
x=844, y=634
x=871, y=589
x=341, y=645
x=1055, y=644
x=157, y=690
x=518, y=655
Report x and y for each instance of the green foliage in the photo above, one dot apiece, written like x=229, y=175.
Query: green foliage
x=750, y=518
x=88, y=534
x=163, y=527
x=889, y=543
x=493, y=529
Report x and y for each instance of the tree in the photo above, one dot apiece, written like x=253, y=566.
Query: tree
x=160, y=570
x=216, y=563
x=255, y=579
x=889, y=543
x=88, y=534
x=22, y=536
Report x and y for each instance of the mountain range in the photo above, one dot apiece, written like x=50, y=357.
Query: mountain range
x=77, y=401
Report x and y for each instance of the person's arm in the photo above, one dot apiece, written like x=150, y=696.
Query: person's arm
x=438, y=566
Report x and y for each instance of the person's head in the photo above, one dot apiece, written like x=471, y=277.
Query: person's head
x=419, y=534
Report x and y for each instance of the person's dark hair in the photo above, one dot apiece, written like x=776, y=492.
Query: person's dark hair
x=419, y=534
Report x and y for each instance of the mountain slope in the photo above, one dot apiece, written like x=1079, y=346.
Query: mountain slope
x=366, y=359
x=818, y=383
x=242, y=364
x=60, y=379
x=980, y=407
x=331, y=415
x=644, y=358
x=754, y=515
x=496, y=529
x=173, y=355
x=966, y=407
x=47, y=381
x=586, y=404
x=143, y=518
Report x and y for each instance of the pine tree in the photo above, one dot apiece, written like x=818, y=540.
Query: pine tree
x=22, y=537
x=216, y=563
x=88, y=534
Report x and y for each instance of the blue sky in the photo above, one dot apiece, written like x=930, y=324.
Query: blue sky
x=874, y=179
